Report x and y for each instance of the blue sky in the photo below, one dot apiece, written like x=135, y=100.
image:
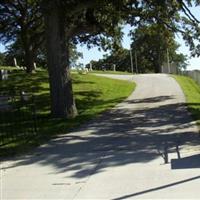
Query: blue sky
x=2, y=49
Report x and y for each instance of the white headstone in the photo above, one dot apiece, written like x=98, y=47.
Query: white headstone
x=15, y=63
x=114, y=67
x=34, y=64
x=90, y=66
x=3, y=74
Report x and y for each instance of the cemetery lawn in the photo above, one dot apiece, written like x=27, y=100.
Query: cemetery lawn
x=110, y=72
x=192, y=93
x=93, y=96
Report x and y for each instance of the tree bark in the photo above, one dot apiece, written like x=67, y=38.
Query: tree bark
x=62, y=100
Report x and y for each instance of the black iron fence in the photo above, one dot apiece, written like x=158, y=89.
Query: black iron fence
x=18, y=117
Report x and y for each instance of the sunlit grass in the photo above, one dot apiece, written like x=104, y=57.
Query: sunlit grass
x=110, y=72
x=192, y=93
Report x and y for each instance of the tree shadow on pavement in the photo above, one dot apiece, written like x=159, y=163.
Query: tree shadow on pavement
x=157, y=188
x=151, y=99
x=119, y=137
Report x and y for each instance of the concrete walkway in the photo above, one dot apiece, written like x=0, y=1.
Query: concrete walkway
x=146, y=148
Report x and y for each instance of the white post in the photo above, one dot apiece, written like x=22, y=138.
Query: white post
x=168, y=64
x=131, y=60
x=90, y=66
x=136, y=66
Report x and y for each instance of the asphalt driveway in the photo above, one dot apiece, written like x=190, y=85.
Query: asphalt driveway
x=146, y=147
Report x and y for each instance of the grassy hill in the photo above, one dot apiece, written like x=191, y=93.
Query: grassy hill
x=93, y=96
x=192, y=93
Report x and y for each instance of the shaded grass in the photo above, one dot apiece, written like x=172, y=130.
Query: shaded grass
x=10, y=68
x=93, y=96
x=192, y=93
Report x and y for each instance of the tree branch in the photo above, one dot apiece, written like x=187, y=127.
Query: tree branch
x=187, y=12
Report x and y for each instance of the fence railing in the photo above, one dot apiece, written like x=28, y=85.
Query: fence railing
x=18, y=120
x=195, y=74
x=173, y=69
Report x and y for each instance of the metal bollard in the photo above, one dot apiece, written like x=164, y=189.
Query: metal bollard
x=166, y=160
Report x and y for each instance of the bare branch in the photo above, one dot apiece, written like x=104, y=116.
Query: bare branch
x=187, y=12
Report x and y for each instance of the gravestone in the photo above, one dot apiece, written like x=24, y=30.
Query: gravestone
x=24, y=96
x=114, y=67
x=3, y=74
x=15, y=63
x=35, y=66
x=90, y=67
x=4, y=103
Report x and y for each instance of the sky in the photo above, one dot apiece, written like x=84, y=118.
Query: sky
x=95, y=54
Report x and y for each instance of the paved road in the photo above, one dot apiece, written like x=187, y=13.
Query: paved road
x=120, y=155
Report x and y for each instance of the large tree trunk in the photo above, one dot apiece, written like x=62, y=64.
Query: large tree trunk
x=62, y=101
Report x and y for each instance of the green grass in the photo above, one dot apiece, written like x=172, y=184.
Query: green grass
x=110, y=72
x=192, y=93
x=93, y=96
